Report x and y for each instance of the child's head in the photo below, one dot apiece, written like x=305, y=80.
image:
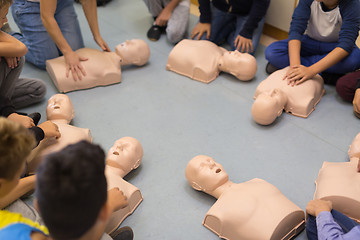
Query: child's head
x=16, y=143
x=71, y=189
x=4, y=8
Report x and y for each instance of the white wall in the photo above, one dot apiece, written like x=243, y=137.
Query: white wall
x=279, y=14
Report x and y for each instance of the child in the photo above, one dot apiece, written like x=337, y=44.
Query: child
x=321, y=40
x=324, y=223
x=17, y=143
x=239, y=22
x=15, y=92
x=53, y=30
x=172, y=15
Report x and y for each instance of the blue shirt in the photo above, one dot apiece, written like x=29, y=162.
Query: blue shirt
x=17, y=231
x=350, y=14
x=255, y=9
x=328, y=229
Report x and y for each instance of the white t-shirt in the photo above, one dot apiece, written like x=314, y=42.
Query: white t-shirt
x=324, y=26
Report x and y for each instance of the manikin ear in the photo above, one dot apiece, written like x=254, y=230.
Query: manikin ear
x=137, y=164
x=196, y=186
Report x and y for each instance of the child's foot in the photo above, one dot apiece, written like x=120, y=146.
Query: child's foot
x=6, y=28
x=124, y=233
x=270, y=68
x=154, y=32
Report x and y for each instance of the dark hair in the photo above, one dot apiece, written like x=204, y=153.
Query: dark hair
x=71, y=189
x=16, y=143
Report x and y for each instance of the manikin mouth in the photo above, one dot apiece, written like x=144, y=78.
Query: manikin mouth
x=116, y=153
x=56, y=107
x=218, y=170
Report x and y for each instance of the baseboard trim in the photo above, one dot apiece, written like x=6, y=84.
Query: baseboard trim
x=275, y=32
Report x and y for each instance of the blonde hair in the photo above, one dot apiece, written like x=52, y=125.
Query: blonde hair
x=16, y=143
x=5, y=3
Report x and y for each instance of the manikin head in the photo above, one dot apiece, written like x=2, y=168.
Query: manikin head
x=268, y=106
x=354, y=149
x=135, y=51
x=126, y=154
x=60, y=107
x=241, y=65
x=204, y=174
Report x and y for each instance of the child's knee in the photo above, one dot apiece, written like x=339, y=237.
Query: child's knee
x=345, y=89
x=174, y=36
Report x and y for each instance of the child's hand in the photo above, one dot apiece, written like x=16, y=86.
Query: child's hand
x=72, y=62
x=50, y=129
x=200, y=29
x=163, y=17
x=315, y=207
x=298, y=74
x=243, y=44
x=117, y=199
x=23, y=120
x=101, y=42
x=12, y=61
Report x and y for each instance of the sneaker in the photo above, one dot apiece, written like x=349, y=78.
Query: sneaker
x=270, y=68
x=6, y=28
x=331, y=78
x=356, y=103
x=124, y=233
x=154, y=32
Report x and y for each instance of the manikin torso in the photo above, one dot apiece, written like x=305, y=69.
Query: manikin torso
x=102, y=68
x=197, y=60
x=60, y=111
x=339, y=182
x=301, y=99
x=115, y=174
x=254, y=210
x=69, y=135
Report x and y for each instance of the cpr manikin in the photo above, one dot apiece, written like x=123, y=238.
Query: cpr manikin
x=203, y=60
x=60, y=111
x=274, y=95
x=124, y=156
x=339, y=182
x=102, y=68
x=254, y=210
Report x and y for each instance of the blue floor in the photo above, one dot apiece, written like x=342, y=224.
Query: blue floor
x=176, y=118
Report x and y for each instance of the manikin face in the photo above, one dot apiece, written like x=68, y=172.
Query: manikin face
x=204, y=174
x=126, y=153
x=238, y=64
x=60, y=107
x=135, y=51
x=268, y=106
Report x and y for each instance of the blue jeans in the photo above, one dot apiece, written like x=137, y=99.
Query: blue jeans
x=227, y=26
x=34, y=35
x=344, y=222
x=311, y=52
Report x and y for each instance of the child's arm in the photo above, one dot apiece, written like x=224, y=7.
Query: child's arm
x=165, y=14
x=298, y=73
x=10, y=46
x=72, y=59
x=25, y=185
x=90, y=11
